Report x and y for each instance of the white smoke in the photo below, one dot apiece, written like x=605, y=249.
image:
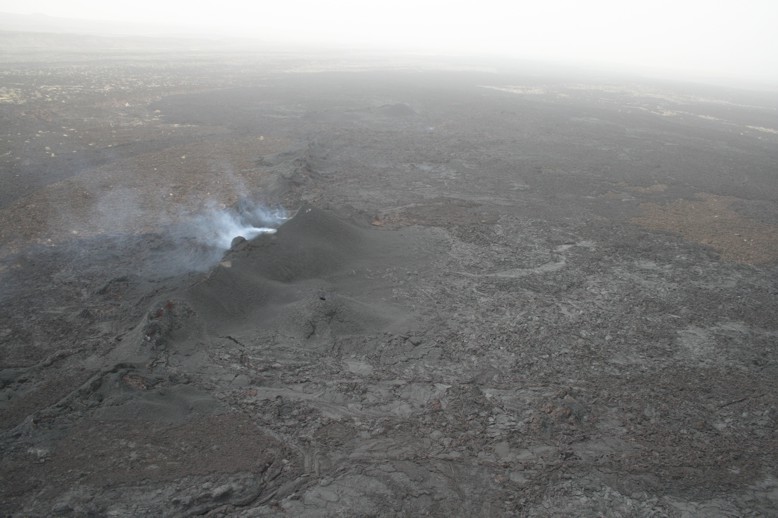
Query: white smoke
x=217, y=228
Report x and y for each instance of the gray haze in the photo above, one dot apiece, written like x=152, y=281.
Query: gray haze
x=724, y=41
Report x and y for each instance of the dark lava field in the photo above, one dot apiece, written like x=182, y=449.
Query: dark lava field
x=462, y=288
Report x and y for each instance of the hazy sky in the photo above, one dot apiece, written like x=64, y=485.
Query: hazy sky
x=727, y=38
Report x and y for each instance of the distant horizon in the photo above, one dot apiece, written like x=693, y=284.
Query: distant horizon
x=685, y=48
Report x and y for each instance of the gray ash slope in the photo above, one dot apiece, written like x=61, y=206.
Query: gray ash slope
x=314, y=276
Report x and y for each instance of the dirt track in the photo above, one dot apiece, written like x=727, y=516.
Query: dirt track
x=500, y=294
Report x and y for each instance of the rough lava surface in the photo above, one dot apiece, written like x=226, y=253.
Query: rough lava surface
x=499, y=292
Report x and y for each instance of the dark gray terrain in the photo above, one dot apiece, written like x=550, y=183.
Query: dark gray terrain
x=494, y=291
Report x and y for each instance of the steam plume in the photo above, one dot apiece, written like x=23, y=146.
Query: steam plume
x=218, y=227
